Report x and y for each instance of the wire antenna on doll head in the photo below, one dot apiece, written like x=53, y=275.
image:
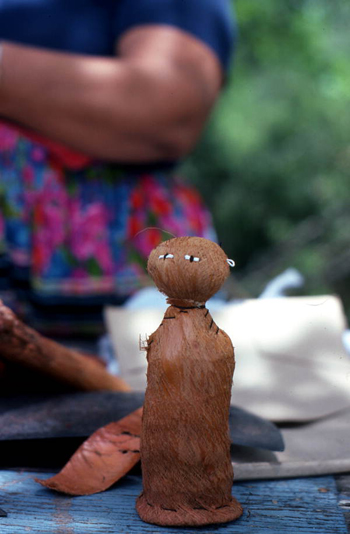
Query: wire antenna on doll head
x=153, y=228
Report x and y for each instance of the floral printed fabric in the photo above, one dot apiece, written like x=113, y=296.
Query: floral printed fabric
x=82, y=232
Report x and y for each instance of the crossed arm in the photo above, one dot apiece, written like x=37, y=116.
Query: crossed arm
x=149, y=103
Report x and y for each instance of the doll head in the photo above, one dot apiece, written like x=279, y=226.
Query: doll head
x=190, y=269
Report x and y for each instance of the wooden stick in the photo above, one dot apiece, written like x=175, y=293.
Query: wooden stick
x=23, y=345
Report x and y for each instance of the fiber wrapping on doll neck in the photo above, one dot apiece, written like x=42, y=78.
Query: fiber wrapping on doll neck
x=185, y=304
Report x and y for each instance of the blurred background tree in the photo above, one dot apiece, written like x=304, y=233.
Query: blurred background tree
x=274, y=162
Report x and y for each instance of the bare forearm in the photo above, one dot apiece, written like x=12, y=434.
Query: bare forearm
x=102, y=107
x=68, y=98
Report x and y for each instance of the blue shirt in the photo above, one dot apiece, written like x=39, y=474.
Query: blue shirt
x=94, y=26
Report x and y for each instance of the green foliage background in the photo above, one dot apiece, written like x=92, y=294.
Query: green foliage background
x=274, y=162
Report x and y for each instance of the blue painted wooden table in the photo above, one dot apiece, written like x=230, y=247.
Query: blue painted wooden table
x=308, y=505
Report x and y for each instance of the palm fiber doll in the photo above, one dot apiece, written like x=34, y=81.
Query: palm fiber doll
x=185, y=446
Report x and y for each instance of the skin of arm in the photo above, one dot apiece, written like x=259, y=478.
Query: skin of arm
x=147, y=104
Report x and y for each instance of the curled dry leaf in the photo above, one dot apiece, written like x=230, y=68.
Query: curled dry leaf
x=105, y=457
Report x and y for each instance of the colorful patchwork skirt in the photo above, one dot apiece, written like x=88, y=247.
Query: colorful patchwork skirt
x=75, y=239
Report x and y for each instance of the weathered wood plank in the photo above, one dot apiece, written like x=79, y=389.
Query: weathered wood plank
x=343, y=486
x=274, y=507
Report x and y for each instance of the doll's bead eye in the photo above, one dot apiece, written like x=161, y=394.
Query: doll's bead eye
x=191, y=258
x=166, y=256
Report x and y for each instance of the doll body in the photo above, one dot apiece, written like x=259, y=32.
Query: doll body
x=185, y=446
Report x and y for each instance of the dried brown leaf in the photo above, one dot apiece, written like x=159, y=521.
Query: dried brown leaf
x=105, y=457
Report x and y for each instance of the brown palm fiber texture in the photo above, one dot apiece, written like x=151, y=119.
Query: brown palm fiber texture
x=185, y=446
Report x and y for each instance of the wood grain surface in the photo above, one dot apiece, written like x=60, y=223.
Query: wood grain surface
x=275, y=507
x=343, y=486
